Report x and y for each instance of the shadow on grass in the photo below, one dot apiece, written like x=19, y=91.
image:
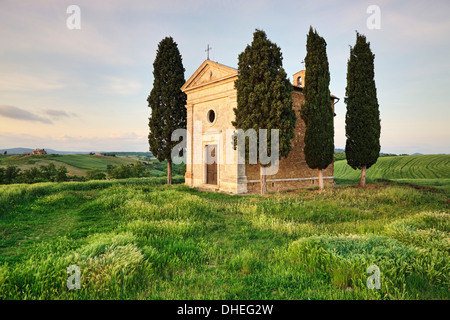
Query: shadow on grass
x=210, y=195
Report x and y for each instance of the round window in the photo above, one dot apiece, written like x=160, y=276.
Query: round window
x=211, y=116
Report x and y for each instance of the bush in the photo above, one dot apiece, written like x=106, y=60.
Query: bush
x=61, y=174
x=95, y=174
x=48, y=173
x=123, y=171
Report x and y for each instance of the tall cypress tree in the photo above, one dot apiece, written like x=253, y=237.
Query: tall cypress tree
x=317, y=111
x=167, y=102
x=362, y=121
x=264, y=96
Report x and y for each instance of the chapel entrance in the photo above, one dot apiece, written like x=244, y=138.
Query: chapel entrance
x=211, y=164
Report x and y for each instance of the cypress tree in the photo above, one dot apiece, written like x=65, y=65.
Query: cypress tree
x=264, y=96
x=317, y=112
x=166, y=101
x=362, y=121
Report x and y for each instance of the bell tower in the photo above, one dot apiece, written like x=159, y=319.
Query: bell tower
x=299, y=79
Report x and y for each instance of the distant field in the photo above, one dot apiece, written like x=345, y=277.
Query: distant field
x=424, y=170
x=77, y=164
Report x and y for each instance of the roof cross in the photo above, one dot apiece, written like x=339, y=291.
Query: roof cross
x=208, y=49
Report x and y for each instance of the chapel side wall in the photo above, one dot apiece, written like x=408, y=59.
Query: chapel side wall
x=294, y=166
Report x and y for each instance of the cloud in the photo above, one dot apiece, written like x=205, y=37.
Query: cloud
x=123, y=87
x=59, y=114
x=21, y=114
x=40, y=28
x=14, y=81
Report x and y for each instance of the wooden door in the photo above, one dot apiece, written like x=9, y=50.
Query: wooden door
x=211, y=164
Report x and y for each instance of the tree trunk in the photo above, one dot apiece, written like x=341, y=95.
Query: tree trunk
x=320, y=179
x=262, y=180
x=362, y=182
x=169, y=172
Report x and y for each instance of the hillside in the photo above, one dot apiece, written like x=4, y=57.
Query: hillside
x=427, y=170
x=20, y=151
x=77, y=164
x=16, y=151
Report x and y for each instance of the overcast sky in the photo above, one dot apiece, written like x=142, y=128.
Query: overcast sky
x=86, y=89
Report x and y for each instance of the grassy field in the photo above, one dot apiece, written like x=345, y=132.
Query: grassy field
x=423, y=170
x=77, y=164
x=138, y=239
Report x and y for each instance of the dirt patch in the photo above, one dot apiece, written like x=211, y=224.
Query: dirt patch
x=418, y=187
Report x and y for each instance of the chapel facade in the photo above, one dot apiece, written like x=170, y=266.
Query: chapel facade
x=211, y=161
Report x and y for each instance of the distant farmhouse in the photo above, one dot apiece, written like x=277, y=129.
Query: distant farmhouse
x=39, y=151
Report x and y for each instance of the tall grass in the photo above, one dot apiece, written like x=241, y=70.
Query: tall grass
x=11, y=195
x=140, y=239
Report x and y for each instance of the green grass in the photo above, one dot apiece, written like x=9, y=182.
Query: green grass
x=81, y=161
x=423, y=170
x=140, y=239
x=89, y=162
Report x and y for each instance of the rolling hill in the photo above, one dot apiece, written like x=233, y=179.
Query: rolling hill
x=14, y=151
x=426, y=170
x=77, y=164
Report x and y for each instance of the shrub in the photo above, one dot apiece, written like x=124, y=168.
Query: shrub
x=95, y=174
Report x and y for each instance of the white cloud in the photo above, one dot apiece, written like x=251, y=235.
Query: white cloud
x=41, y=28
x=121, y=86
x=28, y=82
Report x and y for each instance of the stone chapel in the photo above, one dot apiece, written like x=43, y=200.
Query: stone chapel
x=211, y=97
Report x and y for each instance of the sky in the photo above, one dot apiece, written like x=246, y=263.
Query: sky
x=86, y=89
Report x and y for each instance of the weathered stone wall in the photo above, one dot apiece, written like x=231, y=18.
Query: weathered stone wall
x=293, y=171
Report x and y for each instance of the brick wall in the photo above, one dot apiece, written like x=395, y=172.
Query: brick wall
x=294, y=166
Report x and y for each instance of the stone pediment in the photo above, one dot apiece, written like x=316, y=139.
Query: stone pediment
x=209, y=72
